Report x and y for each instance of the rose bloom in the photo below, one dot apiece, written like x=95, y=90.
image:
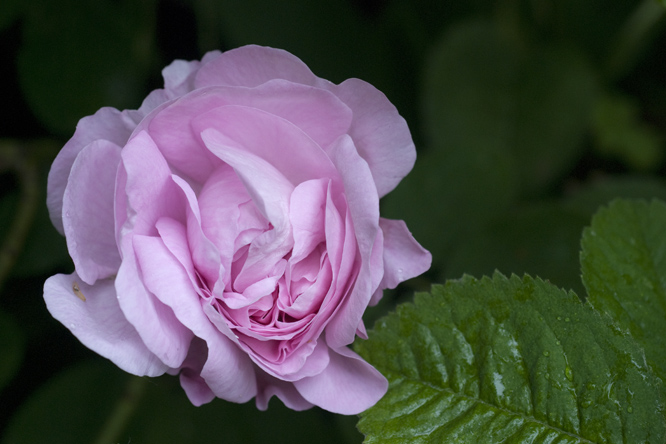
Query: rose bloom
x=228, y=230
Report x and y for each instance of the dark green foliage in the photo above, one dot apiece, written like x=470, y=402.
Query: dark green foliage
x=508, y=360
x=624, y=270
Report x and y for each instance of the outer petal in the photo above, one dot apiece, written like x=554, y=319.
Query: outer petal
x=151, y=195
x=88, y=211
x=151, y=192
x=194, y=385
x=179, y=77
x=155, y=322
x=270, y=386
x=253, y=65
x=404, y=258
x=349, y=385
x=227, y=371
x=364, y=208
x=99, y=323
x=107, y=124
x=379, y=133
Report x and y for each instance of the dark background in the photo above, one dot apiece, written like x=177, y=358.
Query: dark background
x=527, y=116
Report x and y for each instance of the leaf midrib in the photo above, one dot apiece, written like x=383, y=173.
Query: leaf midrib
x=389, y=373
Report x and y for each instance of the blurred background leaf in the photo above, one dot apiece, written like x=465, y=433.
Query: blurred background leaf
x=79, y=56
x=541, y=240
x=504, y=120
x=154, y=411
x=620, y=133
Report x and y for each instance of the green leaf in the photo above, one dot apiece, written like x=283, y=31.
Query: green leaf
x=508, y=360
x=623, y=260
x=12, y=345
x=101, y=58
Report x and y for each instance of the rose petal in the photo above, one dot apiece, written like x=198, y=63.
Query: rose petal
x=179, y=77
x=99, y=323
x=404, y=258
x=307, y=212
x=283, y=360
x=316, y=112
x=363, y=204
x=151, y=195
x=380, y=134
x=88, y=211
x=106, y=124
x=227, y=371
x=285, y=391
x=156, y=323
x=205, y=256
x=348, y=385
x=251, y=66
x=151, y=192
x=195, y=386
x=222, y=217
x=270, y=192
x=273, y=139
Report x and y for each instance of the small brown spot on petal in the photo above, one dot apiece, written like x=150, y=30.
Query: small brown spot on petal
x=77, y=291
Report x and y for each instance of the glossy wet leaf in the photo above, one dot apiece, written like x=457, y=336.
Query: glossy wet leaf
x=508, y=360
x=12, y=345
x=623, y=260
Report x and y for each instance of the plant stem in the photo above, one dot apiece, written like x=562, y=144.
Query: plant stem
x=122, y=412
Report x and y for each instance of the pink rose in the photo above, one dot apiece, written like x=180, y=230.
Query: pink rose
x=228, y=230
